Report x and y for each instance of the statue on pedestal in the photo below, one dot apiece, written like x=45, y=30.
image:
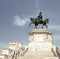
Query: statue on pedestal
x=39, y=20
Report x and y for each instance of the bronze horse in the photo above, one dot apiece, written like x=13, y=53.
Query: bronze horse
x=39, y=20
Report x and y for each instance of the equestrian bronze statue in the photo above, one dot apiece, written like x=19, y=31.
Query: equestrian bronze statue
x=39, y=20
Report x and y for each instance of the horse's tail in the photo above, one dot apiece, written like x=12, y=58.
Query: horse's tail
x=47, y=20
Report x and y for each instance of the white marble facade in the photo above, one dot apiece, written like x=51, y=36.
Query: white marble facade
x=40, y=46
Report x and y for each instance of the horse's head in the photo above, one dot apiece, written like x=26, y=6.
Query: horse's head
x=32, y=19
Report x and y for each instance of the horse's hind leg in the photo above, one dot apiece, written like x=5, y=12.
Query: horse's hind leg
x=35, y=26
x=46, y=26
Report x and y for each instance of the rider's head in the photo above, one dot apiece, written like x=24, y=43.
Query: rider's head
x=40, y=14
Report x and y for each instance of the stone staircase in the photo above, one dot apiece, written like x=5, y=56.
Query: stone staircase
x=38, y=55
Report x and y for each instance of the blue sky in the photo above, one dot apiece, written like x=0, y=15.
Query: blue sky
x=14, y=19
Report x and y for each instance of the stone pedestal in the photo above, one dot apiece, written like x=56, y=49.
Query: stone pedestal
x=40, y=45
x=40, y=40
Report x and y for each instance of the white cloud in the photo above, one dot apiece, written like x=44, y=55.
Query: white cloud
x=20, y=22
